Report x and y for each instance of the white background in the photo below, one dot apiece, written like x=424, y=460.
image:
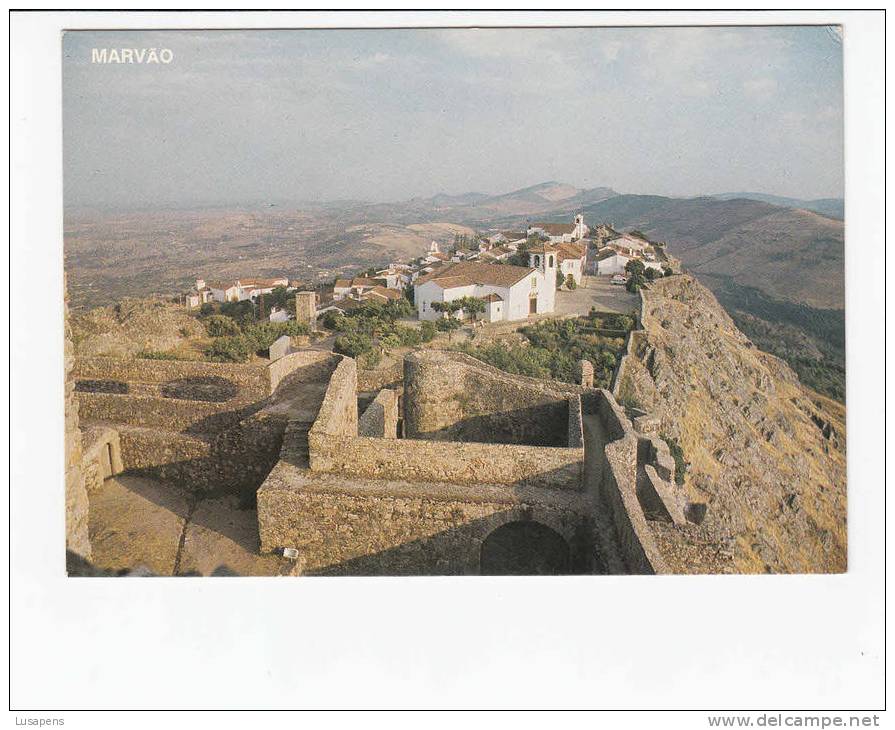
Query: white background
x=762, y=643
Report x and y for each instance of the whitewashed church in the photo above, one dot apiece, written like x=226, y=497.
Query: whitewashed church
x=510, y=292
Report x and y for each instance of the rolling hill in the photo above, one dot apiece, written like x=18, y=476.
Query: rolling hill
x=779, y=272
x=830, y=207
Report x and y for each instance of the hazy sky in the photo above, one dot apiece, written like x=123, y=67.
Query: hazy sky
x=254, y=116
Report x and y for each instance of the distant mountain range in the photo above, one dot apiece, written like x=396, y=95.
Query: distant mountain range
x=546, y=197
x=776, y=264
x=830, y=207
x=790, y=254
x=778, y=271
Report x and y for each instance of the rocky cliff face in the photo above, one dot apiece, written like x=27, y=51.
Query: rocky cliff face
x=766, y=454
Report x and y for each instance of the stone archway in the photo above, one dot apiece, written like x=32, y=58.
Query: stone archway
x=523, y=547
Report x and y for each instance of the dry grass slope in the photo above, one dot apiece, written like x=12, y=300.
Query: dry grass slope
x=765, y=453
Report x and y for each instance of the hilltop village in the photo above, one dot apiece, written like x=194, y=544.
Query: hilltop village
x=559, y=399
x=514, y=274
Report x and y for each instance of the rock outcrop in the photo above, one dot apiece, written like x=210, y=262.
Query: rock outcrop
x=133, y=326
x=765, y=454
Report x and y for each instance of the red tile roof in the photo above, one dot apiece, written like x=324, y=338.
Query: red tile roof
x=464, y=273
x=555, y=229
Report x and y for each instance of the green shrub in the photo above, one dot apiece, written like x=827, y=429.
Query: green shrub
x=237, y=348
x=677, y=453
x=243, y=312
x=261, y=336
x=427, y=331
x=570, y=283
x=219, y=325
x=448, y=324
x=370, y=360
x=406, y=336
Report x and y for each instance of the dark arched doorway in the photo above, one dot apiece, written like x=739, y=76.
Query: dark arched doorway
x=524, y=548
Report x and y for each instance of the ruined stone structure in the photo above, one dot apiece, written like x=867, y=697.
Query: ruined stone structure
x=211, y=426
x=306, y=308
x=586, y=377
x=469, y=471
x=559, y=474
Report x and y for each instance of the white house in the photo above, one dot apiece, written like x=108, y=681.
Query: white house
x=279, y=315
x=629, y=245
x=517, y=291
x=344, y=288
x=239, y=290
x=392, y=278
x=610, y=261
x=572, y=259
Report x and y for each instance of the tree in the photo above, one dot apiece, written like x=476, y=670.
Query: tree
x=471, y=306
x=636, y=278
x=652, y=274
x=635, y=267
x=666, y=270
x=448, y=308
x=332, y=320
x=560, y=279
x=570, y=283
x=218, y=325
x=354, y=344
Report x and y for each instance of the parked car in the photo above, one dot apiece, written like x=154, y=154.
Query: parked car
x=619, y=279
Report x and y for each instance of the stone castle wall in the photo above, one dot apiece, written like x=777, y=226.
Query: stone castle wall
x=452, y=462
x=165, y=413
x=632, y=342
x=373, y=527
x=336, y=447
x=389, y=374
x=451, y=396
x=77, y=537
x=236, y=460
x=306, y=308
x=380, y=419
x=168, y=429
x=252, y=380
x=616, y=487
x=306, y=365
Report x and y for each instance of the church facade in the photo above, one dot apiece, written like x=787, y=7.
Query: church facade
x=510, y=292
